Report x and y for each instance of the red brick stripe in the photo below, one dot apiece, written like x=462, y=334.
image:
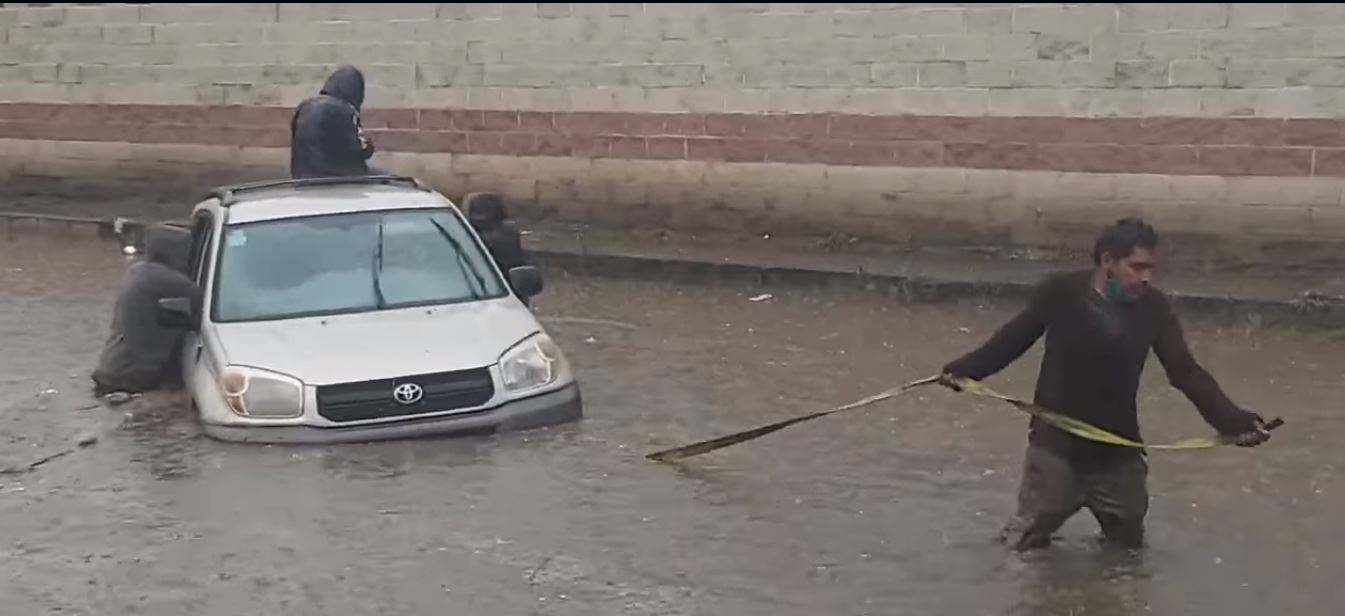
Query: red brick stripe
x=1169, y=145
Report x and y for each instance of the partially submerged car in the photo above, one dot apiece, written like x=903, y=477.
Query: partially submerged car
x=355, y=309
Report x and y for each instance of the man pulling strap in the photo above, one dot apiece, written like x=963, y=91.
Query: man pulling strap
x=1099, y=325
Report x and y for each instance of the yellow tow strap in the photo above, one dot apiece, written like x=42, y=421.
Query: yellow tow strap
x=1083, y=429
x=1073, y=426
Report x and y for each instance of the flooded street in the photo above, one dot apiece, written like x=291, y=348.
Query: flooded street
x=889, y=510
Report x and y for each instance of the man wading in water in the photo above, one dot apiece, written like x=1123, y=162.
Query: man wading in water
x=1099, y=326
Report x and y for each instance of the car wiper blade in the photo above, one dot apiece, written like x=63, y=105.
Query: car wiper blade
x=462, y=262
x=378, y=269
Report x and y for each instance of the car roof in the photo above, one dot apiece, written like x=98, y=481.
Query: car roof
x=316, y=197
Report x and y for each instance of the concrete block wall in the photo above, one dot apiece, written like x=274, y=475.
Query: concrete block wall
x=1019, y=123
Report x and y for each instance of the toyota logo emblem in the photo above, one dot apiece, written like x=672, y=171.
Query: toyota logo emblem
x=407, y=393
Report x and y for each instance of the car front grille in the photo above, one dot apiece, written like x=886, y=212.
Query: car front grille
x=442, y=391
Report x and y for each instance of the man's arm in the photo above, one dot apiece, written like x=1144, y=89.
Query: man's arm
x=511, y=253
x=344, y=135
x=366, y=146
x=1187, y=375
x=1010, y=341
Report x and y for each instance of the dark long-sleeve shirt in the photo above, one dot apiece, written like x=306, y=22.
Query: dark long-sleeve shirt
x=1095, y=353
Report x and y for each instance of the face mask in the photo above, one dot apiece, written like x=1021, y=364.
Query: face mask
x=1116, y=292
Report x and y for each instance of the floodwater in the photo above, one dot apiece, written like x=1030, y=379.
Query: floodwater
x=889, y=510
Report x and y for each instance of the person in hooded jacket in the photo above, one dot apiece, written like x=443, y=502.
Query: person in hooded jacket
x=326, y=138
x=486, y=213
x=140, y=353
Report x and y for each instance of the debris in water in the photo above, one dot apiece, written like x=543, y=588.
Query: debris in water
x=1218, y=561
x=591, y=340
x=118, y=398
x=761, y=298
x=87, y=440
x=965, y=330
x=49, y=392
x=128, y=250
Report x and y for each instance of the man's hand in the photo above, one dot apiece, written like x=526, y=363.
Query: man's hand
x=1259, y=433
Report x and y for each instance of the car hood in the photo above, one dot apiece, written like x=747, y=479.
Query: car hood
x=380, y=344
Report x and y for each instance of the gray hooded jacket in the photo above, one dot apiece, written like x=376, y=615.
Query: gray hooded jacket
x=140, y=354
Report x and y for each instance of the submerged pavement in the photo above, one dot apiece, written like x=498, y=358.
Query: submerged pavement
x=893, y=509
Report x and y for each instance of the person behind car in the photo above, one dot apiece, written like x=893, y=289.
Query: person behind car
x=326, y=137
x=140, y=353
x=486, y=213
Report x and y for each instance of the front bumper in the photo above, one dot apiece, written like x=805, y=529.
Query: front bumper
x=560, y=406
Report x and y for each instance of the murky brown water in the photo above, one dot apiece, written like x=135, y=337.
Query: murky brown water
x=892, y=510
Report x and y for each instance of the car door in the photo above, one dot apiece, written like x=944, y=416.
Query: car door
x=200, y=260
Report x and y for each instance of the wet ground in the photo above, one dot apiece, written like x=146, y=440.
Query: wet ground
x=891, y=510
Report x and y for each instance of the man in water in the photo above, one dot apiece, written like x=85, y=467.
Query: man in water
x=326, y=138
x=486, y=213
x=140, y=353
x=1099, y=325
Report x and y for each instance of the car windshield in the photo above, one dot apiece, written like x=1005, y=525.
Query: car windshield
x=345, y=263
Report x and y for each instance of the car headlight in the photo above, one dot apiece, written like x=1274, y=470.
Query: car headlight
x=253, y=392
x=536, y=362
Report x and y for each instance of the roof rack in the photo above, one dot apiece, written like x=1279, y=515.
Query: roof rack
x=229, y=195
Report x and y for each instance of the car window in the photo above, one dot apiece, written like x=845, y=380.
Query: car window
x=349, y=263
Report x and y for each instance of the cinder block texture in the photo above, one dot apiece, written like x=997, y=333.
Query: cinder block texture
x=923, y=205
x=962, y=115
x=1079, y=59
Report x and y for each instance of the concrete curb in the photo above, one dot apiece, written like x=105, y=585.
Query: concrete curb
x=1308, y=312
x=1320, y=314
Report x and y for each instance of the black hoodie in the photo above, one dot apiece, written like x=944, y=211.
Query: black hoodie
x=326, y=139
x=140, y=354
x=486, y=213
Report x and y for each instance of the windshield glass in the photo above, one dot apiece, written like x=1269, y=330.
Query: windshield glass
x=349, y=263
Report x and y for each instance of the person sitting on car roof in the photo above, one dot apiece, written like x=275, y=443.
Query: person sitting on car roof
x=326, y=138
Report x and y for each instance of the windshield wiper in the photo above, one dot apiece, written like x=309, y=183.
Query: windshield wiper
x=462, y=262
x=378, y=269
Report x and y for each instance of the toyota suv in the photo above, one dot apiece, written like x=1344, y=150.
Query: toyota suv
x=353, y=309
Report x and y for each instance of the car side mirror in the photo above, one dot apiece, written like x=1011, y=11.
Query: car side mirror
x=176, y=312
x=526, y=281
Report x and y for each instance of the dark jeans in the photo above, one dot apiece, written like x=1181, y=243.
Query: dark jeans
x=1054, y=488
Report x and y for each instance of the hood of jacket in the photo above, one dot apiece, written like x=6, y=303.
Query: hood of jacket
x=347, y=84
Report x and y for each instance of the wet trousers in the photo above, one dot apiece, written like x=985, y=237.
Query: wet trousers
x=1054, y=488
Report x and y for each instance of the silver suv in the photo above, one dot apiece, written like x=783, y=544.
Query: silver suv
x=353, y=309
